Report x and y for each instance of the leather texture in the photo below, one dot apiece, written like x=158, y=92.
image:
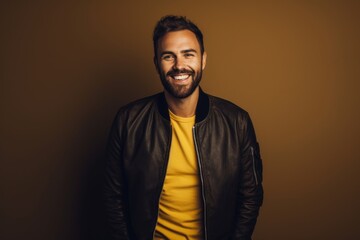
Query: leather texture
x=137, y=157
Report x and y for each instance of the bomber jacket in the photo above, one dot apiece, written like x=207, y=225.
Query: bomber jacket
x=228, y=155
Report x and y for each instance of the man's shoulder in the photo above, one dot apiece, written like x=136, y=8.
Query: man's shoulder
x=226, y=106
x=139, y=105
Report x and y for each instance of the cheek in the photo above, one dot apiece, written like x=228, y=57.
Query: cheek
x=164, y=68
x=196, y=66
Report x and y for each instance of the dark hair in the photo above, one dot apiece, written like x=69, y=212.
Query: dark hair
x=171, y=23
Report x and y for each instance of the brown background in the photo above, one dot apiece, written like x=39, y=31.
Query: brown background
x=67, y=67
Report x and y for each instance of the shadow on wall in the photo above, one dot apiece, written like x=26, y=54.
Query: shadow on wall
x=118, y=86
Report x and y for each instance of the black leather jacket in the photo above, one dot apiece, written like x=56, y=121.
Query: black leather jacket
x=229, y=162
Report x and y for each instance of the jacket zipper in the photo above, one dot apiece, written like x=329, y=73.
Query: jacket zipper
x=202, y=181
x=163, y=180
x=254, y=168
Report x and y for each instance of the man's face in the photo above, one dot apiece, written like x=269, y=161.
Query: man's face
x=180, y=63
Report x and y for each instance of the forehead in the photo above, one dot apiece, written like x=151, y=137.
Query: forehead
x=178, y=40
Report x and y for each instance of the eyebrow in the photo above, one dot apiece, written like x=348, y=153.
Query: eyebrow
x=183, y=51
x=188, y=50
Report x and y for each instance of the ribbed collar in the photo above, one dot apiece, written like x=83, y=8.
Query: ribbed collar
x=202, y=106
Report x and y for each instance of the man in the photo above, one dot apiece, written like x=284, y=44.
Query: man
x=182, y=164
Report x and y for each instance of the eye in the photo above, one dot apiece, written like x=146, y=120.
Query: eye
x=188, y=55
x=167, y=57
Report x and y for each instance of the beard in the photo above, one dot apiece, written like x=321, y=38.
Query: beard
x=181, y=91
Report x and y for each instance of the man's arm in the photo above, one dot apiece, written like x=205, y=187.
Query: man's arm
x=114, y=187
x=250, y=194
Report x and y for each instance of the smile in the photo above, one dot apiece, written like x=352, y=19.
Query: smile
x=181, y=77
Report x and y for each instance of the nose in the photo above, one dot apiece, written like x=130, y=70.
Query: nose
x=179, y=63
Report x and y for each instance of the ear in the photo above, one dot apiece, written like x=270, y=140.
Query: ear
x=156, y=63
x=204, y=56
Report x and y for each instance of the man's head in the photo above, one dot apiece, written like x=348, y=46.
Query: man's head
x=179, y=55
x=173, y=23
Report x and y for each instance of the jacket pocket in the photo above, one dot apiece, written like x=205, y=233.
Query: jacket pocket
x=255, y=166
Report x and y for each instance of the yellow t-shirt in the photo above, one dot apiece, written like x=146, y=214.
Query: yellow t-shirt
x=180, y=208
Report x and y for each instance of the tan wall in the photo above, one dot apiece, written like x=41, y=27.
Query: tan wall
x=67, y=67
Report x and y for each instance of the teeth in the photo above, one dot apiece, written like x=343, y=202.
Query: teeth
x=181, y=77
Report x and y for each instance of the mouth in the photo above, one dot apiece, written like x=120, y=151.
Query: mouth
x=181, y=77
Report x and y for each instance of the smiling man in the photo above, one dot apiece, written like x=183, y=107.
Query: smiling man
x=180, y=61
x=182, y=164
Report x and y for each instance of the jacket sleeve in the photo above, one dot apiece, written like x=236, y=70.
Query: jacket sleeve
x=114, y=187
x=250, y=192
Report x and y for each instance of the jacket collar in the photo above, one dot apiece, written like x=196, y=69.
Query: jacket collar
x=202, y=107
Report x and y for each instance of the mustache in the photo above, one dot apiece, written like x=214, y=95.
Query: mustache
x=180, y=71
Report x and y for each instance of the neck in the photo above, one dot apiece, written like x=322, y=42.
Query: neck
x=183, y=107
